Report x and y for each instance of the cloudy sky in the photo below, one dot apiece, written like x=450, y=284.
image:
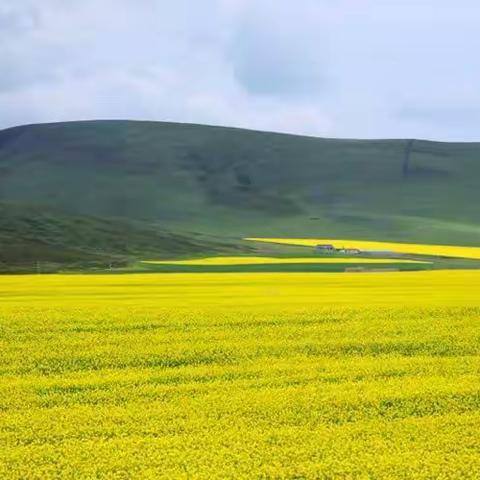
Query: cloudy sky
x=337, y=68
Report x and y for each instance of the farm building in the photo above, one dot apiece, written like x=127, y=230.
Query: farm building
x=325, y=248
x=349, y=251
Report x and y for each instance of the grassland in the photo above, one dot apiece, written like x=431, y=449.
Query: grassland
x=40, y=239
x=298, y=375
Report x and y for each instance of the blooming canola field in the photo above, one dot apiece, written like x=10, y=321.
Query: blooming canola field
x=252, y=260
x=451, y=251
x=240, y=375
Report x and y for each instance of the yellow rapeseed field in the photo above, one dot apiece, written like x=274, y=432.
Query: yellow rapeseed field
x=412, y=248
x=276, y=261
x=240, y=376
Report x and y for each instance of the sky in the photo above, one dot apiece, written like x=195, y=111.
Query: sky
x=330, y=68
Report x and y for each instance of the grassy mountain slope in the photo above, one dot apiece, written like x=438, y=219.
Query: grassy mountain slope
x=39, y=239
x=232, y=183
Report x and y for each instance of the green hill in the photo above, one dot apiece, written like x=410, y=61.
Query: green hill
x=140, y=188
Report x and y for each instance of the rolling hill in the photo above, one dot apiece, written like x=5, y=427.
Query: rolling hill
x=98, y=192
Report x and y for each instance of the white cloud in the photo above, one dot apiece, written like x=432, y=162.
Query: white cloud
x=391, y=68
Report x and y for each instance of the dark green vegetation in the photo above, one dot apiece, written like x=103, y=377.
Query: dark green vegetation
x=109, y=192
x=292, y=267
x=43, y=240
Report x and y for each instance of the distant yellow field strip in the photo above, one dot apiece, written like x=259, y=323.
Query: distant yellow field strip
x=419, y=249
x=275, y=261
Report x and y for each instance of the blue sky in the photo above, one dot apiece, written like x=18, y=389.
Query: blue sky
x=337, y=68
